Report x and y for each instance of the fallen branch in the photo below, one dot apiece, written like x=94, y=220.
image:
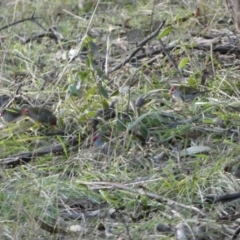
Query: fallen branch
x=32, y=18
x=235, y=235
x=23, y=158
x=42, y=35
x=222, y=198
x=139, y=47
x=151, y=195
x=223, y=49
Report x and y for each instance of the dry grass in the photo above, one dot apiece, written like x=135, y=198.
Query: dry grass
x=41, y=189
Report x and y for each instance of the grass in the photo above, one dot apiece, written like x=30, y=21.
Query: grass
x=112, y=193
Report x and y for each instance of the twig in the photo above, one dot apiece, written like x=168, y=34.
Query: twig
x=169, y=57
x=32, y=18
x=42, y=35
x=146, y=193
x=40, y=25
x=139, y=47
x=229, y=218
x=235, y=235
x=153, y=7
x=183, y=115
x=75, y=16
x=226, y=49
x=13, y=98
x=17, y=97
x=23, y=158
x=222, y=198
x=18, y=89
x=125, y=224
x=129, y=90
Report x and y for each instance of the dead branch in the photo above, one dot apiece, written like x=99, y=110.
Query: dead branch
x=23, y=158
x=153, y=196
x=51, y=35
x=32, y=18
x=139, y=47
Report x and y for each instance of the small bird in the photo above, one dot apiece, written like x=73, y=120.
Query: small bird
x=100, y=144
x=97, y=140
x=10, y=114
x=184, y=93
x=41, y=115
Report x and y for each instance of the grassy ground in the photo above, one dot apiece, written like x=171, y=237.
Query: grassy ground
x=126, y=193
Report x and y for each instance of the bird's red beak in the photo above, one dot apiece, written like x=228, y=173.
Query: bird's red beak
x=25, y=111
x=173, y=88
x=53, y=123
x=1, y=113
x=95, y=138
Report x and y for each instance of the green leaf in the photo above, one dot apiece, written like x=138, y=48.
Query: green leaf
x=103, y=92
x=183, y=62
x=73, y=90
x=84, y=74
x=192, y=81
x=89, y=114
x=144, y=131
x=89, y=61
x=90, y=92
x=165, y=32
x=93, y=47
x=115, y=93
x=101, y=74
x=197, y=75
x=105, y=104
x=120, y=125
